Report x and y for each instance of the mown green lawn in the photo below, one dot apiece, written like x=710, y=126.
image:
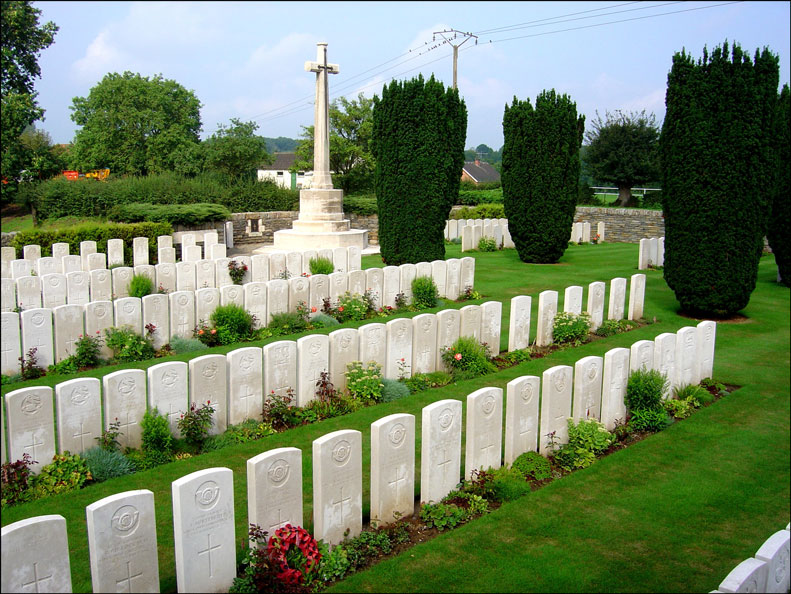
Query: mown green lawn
x=675, y=512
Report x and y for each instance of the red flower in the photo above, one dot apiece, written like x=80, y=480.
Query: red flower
x=312, y=310
x=200, y=332
x=340, y=308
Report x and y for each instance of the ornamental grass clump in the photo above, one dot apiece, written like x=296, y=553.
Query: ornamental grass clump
x=643, y=398
x=105, y=464
x=140, y=286
x=321, y=265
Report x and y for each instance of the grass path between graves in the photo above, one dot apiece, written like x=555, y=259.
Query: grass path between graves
x=675, y=512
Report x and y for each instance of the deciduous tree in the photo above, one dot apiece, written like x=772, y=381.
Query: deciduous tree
x=236, y=150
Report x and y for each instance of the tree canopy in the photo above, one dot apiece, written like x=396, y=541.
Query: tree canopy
x=134, y=124
x=351, y=125
x=236, y=150
x=623, y=150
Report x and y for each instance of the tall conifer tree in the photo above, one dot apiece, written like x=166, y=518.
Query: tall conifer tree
x=780, y=220
x=541, y=169
x=716, y=167
x=419, y=130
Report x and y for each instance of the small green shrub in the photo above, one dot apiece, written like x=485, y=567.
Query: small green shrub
x=644, y=390
x=587, y=439
x=487, y=244
x=87, y=350
x=467, y=358
x=680, y=409
x=425, y=294
x=108, y=440
x=350, y=307
x=570, y=328
x=321, y=265
x=481, y=211
x=195, y=423
x=393, y=390
x=128, y=346
x=16, y=479
x=508, y=484
x=180, y=345
x=233, y=323
x=156, y=432
x=279, y=411
x=690, y=391
x=67, y=472
x=424, y=381
x=363, y=205
x=518, y=356
x=442, y=516
x=649, y=420
x=140, y=286
x=105, y=465
x=188, y=215
x=287, y=323
x=364, y=382
x=322, y=320
x=533, y=466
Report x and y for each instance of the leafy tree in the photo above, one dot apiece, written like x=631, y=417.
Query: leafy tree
x=622, y=150
x=780, y=220
x=351, y=124
x=23, y=39
x=236, y=151
x=43, y=159
x=540, y=175
x=716, y=161
x=134, y=125
x=419, y=128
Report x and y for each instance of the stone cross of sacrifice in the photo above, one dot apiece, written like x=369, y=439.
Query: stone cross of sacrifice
x=321, y=130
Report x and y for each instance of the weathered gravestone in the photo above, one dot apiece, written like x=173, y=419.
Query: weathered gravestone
x=166, y=255
x=167, y=391
x=641, y=355
x=448, y=329
x=206, y=301
x=156, y=314
x=276, y=298
x=356, y=281
x=97, y=261
x=35, y=556
x=521, y=416
x=71, y=263
x=31, y=426
x=78, y=287
x=54, y=290
x=101, y=285
x=140, y=251
x=232, y=295
x=69, y=326
x=312, y=359
x=204, y=532
x=471, y=316
x=484, y=430
x=587, y=388
x=555, y=406
x=280, y=368
x=319, y=291
x=274, y=489
x=337, y=486
x=182, y=313
x=166, y=277
x=8, y=295
x=115, y=252
x=375, y=283
x=11, y=341
x=519, y=323
x=254, y=300
x=129, y=312
x=595, y=307
x=491, y=322
x=208, y=383
x=373, y=344
x=392, y=468
x=37, y=334
x=31, y=252
x=547, y=309
x=391, y=285
x=399, y=349
x=298, y=292
x=424, y=343
x=79, y=412
x=122, y=541
x=86, y=248
x=122, y=276
x=339, y=285
x=124, y=394
x=205, y=274
x=48, y=265
x=99, y=317
x=453, y=286
x=28, y=292
x=186, y=276
x=440, y=454
x=245, y=384
x=614, y=380
x=344, y=347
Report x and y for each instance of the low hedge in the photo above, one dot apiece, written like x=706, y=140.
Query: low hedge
x=481, y=211
x=473, y=197
x=360, y=204
x=59, y=197
x=175, y=214
x=99, y=233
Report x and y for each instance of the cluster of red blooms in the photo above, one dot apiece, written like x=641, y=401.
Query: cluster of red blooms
x=289, y=539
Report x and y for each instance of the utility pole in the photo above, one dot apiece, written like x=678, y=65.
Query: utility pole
x=446, y=35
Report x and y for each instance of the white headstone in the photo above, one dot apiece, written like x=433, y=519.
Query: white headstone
x=595, y=307
x=319, y=291
x=205, y=274
x=182, y=313
x=31, y=252
x=280, y=368
x=312, y=359
x=452, y=227
x=339, y=285
x=423, y=269
x=555, y=406
x=8, y=253
x=424, y=343
x=299, y=291
x=491, y=322
x=586, y=232
x=652, y=251
x=277, y=265
x=122, y=276
x=71, y=263
x=375, y=283
x=221, y=275
x=373, y=344
x=467, y=273
x=391, y=285
x=344, y=348
x=340, y=259
x=191, y=253
x=185, y=276
x=644, y=254
x=101, y=285
x=31, y=425
x=274, y=489
x=78, y=287
x=79, y=412
x=519, y=323
x=188, y=239
x=8, y=295
x=11, y=341
x=115, y=252
x=294, y=263
x=122, y=540
x=166, y=277
x=392, y=468
x=572, y=300
x=641, y=355
x=59, y=250
x=156, y=312
x=448, y=329
x=254, y=301
x=48, y=265
x=164, y=241
x=665, y=358
x=407, y=272
x=69, y=326
x=97, y=261
x=440, y=450
x=615, y=311
x=86, y=247
x=484, y=439
x=28, y=292
x=35, y=556
x=98, y=317
x=232, y=295
x=208, y=383
x=355, y=258
x=245, y=384
x=307, y=256
x=453, y=286
x=636, y=297
x=276, y=298
x=140, y=251
x=614, y=380
x=687, y=367
x=439, y=273
x=706, y=339
x=167, y=391
x=588, y=388
x=775, y=553
x=129, y=312
x=399, y=349
x=37, y=334
x=124, y=394
x=471, y=318
x=660, y=251
x=521, y=416
x=356, y=279
x=751, y=575
x=337, y=486
x=206, y=301
x=147, y=270
x=217, y=251
x=547, y=309
x=204, y=531
x=600, y=231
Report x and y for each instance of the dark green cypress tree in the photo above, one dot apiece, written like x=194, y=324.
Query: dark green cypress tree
x=540, y=174
x=419, y=130
x=715, y=151
x=780, y=220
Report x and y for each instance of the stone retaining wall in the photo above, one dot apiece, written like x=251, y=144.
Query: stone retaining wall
x=625, y=225
x=269, y=222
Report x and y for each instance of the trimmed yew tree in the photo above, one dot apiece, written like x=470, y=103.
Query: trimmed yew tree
x=541, y=169
x=419, y=130
x=716, y=154
x=780, y=220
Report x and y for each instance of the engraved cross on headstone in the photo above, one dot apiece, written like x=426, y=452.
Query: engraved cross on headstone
x=128, y=579
x=321, y=133
x=33, y=444
x=343, y=500
x=207, y=551
x=36, y=579
x=444, y=464
x=280, y=521
x=82, y=435
x=397, y=482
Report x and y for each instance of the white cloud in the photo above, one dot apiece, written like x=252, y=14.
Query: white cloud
x=101, y=57
x=652, y=102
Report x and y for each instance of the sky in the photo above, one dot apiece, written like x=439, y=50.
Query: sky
x=246, y=60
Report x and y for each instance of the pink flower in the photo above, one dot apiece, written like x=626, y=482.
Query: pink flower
x=457, y=356
x=312, y=310
x=214, y=331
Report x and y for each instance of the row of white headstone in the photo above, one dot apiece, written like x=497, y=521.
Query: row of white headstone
x=472, y=230
x=55, y=330
x=652, y=253
x=122, y=528
x=767, y=571
x=581, y=232
x=235, y=383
